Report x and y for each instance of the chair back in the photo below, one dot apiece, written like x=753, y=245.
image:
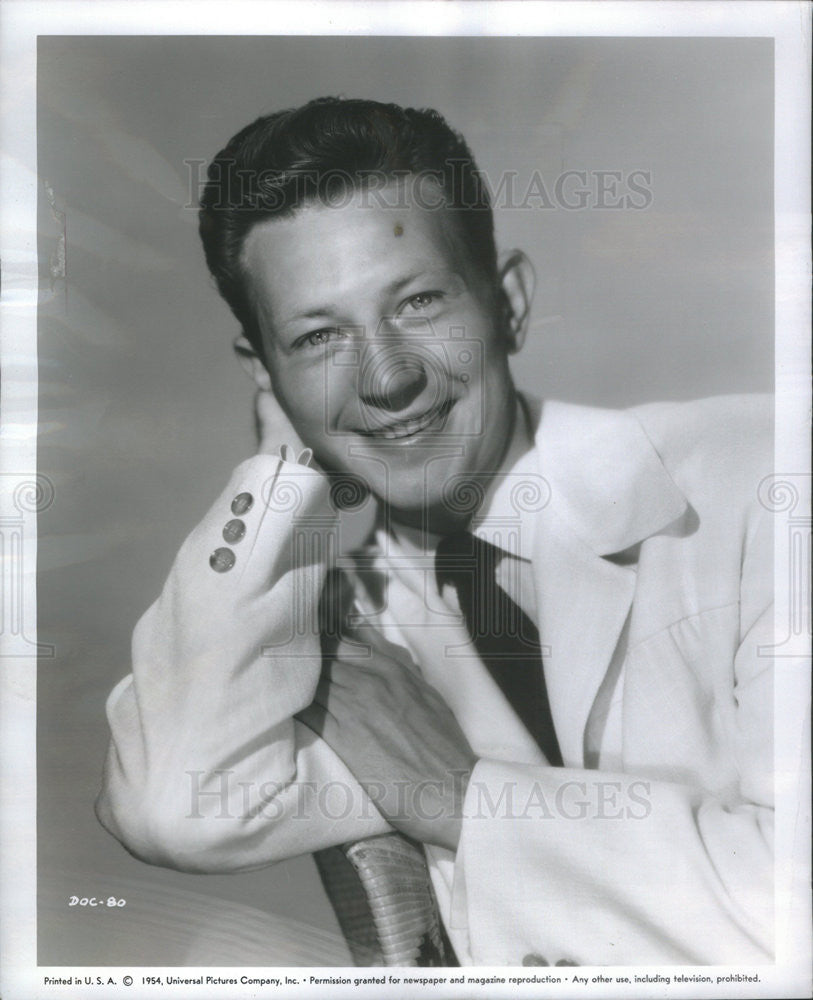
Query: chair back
x=381, y=892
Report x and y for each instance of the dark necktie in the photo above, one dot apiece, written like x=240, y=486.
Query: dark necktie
x=504, y=636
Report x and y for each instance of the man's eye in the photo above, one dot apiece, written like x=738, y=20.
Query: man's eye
x=422, y=301
x=318, y=337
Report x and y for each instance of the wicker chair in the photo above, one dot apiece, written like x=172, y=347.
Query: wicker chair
x=383, y=899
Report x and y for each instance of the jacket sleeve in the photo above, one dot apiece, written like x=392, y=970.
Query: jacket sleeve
x=591, y=868
x=207, y=768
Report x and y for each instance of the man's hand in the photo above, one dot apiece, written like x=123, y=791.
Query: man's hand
x=397, y=736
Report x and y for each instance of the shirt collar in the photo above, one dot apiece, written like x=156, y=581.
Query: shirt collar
x=504, y=518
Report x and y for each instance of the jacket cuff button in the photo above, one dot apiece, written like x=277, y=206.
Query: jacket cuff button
x=234, y=531
x=222, y=560
x=242, y=502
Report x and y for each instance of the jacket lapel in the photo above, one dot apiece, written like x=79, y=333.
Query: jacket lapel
x=608, y=491
x=583, y=602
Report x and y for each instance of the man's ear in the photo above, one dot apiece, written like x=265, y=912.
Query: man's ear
x=517, y=282
x=251, y=363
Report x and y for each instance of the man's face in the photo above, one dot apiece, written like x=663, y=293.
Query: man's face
x=383, y=348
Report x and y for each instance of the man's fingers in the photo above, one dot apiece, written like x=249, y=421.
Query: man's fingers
x=335, y=684
x=367, y=637
x=319, y=717
x=343, y=679
x=335, y=674
x=369, y=634
x=351, y=649
x=323, y=687
x=274, y=429
x=315, y=717
x=332, y=701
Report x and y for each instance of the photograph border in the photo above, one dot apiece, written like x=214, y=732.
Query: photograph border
x=26, y=491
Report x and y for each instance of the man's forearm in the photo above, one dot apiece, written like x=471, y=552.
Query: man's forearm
x=206, y=760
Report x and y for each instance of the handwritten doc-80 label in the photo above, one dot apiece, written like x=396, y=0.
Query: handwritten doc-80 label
x=96, y=901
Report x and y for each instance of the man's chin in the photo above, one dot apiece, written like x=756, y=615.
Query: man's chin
x=414, y=484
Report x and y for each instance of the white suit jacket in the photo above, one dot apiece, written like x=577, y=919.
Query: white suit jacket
x=654, y=580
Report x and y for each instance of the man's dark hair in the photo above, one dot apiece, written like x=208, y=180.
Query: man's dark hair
x=288, y=159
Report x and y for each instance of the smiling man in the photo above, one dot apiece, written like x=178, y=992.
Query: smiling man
x=381, y=315
x=543, y=665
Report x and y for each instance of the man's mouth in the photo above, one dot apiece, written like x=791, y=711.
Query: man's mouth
x=401, y=429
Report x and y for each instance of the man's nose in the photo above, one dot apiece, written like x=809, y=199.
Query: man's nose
x=391, y=377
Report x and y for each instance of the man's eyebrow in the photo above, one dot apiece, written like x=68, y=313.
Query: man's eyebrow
x=314, y=313
x=437, y=273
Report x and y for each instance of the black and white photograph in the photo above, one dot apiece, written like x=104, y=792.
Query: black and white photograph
x=405, y=527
